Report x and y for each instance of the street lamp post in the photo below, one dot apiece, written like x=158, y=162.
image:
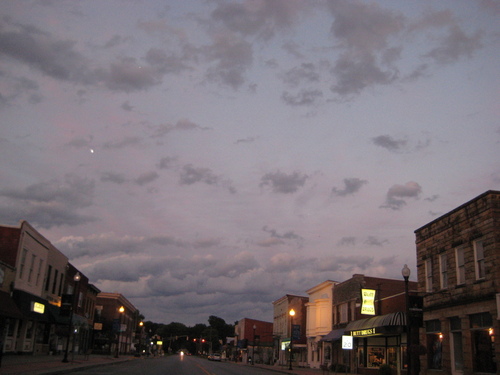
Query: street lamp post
x=406, y=275
x=120, y=310
x=253, y=344
x=76, y=279
x=141, y=324
x=292, y=313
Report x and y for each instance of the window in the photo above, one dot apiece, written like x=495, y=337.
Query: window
x=39, y=273
x=428, y=275
x=459, y=254
x=443, y=268
x=32, y=265
x=54, y=283
x=23, y=263
x=343, y=313
x=60, y=284
x=479, y=259
x=47, y=282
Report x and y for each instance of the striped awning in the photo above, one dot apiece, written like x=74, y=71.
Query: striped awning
x=378, y=324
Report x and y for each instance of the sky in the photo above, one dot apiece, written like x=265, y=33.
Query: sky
x=208, y=157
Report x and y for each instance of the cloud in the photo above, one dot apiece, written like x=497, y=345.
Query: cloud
x=146, y=178
x=409, y=190
x=351, y=186
x=190, y=175
x=389, y=143
x=455, y=46
x=116, y=178
x=124, y=142
x=345, y=263
x=50, y=203
x=181, y=125
x=231, y=58
x=167, y=162
x=303, y=97
x=283, y=183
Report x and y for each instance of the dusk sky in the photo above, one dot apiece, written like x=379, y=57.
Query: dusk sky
x=208, y=157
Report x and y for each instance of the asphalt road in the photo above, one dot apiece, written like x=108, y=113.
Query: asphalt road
x=177, y=365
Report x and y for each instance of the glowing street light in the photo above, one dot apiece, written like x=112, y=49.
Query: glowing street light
x=121, y=310
x=292, y=314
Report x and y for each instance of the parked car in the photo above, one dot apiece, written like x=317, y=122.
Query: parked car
x=214, y=357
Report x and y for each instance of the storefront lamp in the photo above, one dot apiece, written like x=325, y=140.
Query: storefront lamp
x=406, y=276
x=292, y=314
x=440, y=336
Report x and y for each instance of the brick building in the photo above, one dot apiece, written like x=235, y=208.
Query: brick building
x=458, y=261
x=254, y=340
x=282, y=328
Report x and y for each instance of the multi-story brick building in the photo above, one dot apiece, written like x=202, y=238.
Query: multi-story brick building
x=282, y=328
x=458, y=260
x=254, y=340
x=380, y=330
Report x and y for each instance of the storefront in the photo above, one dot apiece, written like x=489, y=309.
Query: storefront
x=378, y=340
x=9, y=318
x=34, y=331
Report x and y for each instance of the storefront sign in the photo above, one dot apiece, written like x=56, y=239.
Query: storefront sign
x=364, y=332
x=368, y=301
x=37, y=307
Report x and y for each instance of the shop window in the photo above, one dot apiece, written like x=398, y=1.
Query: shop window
x=29, y=329
x=11, y=326
x=456, y=344
x=483, y=348
x=47, y=282
x=23, y=263
x=375, y=356
x=434, y=344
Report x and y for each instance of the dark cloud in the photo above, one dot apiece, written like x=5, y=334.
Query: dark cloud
x=116, y=178
x=167, y=162
x=306, y=72
x=50, y=203
x=80, y=142
x=146, y=178
x=389, y=143
x=58, y=59
x=231, y=58
x=190, y=175
x=303, y=97
x=258, y=18
x=126, y=106
x=166, y=64
x=283, y=183
x=124, y=142
x=347, y=241
x=455, y=46
x=181, y=125
x=395, y=194
x=351, y=186
x=246, y=140
x=345, y=263
x=374, y=241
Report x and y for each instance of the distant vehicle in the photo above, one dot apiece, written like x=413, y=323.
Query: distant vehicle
x=216, y=357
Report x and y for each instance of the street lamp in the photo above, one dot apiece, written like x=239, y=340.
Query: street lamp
x=76, y=279
x=292, y=314
x=406, y=275
x=141, y=325
x=253, y=344
x=120, y=310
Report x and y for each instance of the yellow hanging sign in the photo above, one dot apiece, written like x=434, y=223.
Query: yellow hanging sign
x=368, y=301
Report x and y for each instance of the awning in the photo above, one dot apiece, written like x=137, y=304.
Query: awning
x=334, y=335
x=390, y=323
x=8, y=307
x=31, y=306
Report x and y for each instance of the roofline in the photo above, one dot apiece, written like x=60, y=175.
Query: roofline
x=492, y=192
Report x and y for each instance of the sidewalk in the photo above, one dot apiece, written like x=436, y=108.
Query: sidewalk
x=13, y=364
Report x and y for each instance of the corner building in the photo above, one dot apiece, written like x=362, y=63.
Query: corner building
x=458, y=261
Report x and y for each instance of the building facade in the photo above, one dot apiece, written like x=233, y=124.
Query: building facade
x=458, y=260
x=117, y=321
x=373, y=312
x=254, y=341
x=319, y=321
x=286, y=327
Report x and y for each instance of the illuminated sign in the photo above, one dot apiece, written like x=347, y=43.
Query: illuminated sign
x=364, y=332
x=346, y=342
x=37, y=307
x=159, y=343
x=368, y=299
x=98, y=326
x=285, y=344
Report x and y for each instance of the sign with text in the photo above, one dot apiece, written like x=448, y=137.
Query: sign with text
x=368, y=301
x=347, y=342
x=296, y=332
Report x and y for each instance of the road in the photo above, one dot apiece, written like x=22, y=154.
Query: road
x=177, y=365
